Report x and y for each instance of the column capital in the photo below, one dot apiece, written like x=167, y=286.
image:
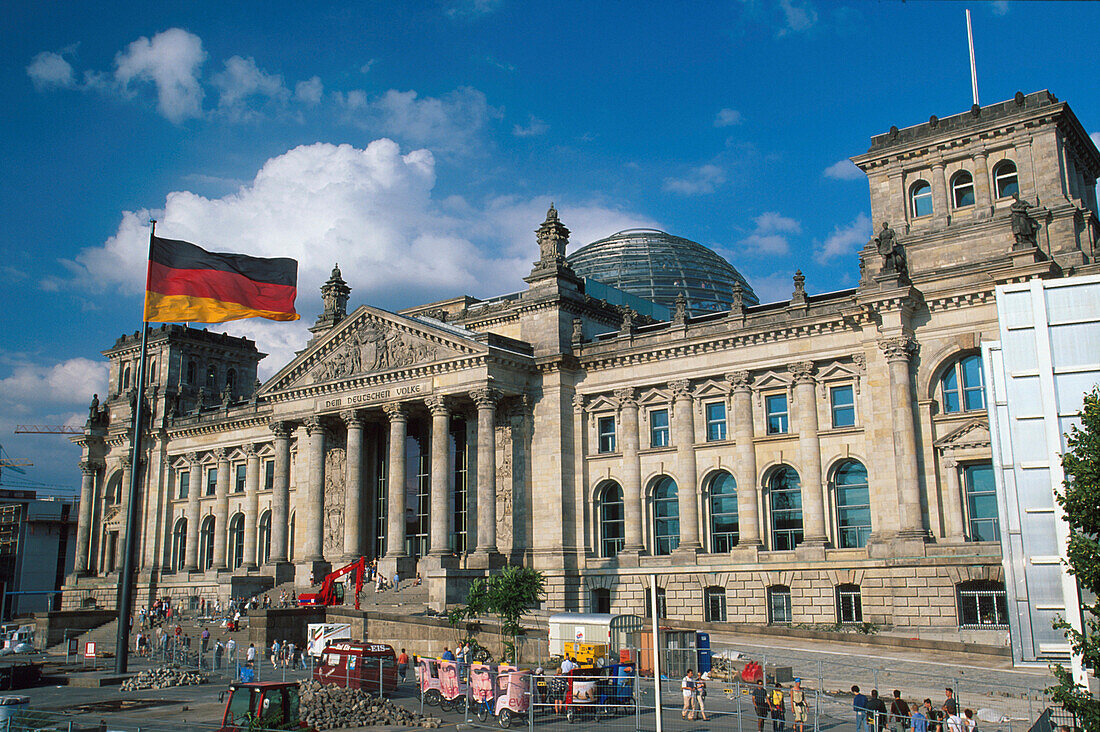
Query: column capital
x=250, y=450
x=681, y=389
x=627, y=397
x=485, y=398
x=124, y=462
x=740, y=380
x=87, y=467
x=280, y=429
x=352, y=418
x=438, y=405
x=950, y=462
x=313, y=425
x=802, y=371
x=578, y=402
x=396, y=411
x=192, y=458
x=898, y=348
x=221, y=455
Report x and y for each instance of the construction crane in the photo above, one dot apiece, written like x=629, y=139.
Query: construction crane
x=15, y=465
x=47, y=429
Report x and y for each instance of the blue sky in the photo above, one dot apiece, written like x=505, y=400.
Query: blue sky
x=419, y=144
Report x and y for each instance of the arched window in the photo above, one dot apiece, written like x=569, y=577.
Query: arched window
x=206, y=543
x=612, y=523
x=192, y=372
x=212, y=377
x=920, y=199
x=785, y=494
x=853, y=505
x=962, y=189
x=153, y=371
x=264, y=538
x=666, y=516
x=114, y=490
x=236, y=541
x=779, y=605
x=1005, y=179
x=849, y=604
x=126, y=376
x=962, y=385
x=982, y=604
x=179, y=544
x=723, y=513
x=231, y=380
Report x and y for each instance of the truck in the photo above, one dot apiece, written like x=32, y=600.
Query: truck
x=267, y=705
x=320, y=635
x=371, y=667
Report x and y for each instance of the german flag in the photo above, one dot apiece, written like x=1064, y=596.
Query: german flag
x=187, y=284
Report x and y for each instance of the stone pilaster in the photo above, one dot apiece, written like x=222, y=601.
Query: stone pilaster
x=633, y=500
x=194, y=487
x=748, y=504
x=251, y=505
x=486, y=401
x=84, y=522
x=221, y=509
x=982, y=197
x=953, y=504
x=809, y=452
x=439, y=541
x=280, y=499
x=353, y=490
x=395, y=481
x=686, y=469
x=899, y=350
x=314, y=505
x=939, y=193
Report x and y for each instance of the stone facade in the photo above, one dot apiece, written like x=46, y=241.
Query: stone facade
x=808, y=461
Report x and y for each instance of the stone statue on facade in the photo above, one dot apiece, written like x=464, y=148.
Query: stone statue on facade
x=553, y=238
x=1024, y=226
x=93, y=408
x=893, y=254
x=679, y=315
x=227, y=395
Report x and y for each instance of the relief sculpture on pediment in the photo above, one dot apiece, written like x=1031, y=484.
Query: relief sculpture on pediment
x=373, y=346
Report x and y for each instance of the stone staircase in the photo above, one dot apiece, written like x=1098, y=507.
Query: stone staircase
x=104, y=637
x=407, y=600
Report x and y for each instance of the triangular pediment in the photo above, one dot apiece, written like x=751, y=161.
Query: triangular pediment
x=972, y=434
x=373, y=342
x=771, y=380
x=711, y=389
x=656, y=395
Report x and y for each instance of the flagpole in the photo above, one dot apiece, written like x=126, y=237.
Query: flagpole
x=126, y=578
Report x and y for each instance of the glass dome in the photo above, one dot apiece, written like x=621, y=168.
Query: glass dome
x=658, y=266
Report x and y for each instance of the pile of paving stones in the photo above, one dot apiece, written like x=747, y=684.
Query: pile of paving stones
x=325, y=706
x=163, y=678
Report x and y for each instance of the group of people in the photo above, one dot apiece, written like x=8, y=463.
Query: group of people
x=694, y=690
x=773, y=704
x=286, y=655
x=872, y=714
x=159, y=612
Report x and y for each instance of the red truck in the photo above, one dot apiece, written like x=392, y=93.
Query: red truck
x=371, y=667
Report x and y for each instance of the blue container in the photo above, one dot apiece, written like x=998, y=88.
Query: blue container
x=702, y=645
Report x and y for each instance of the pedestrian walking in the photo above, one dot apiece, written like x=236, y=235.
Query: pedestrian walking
x=859, y=704
x=899, y=713
x=932, y=715
x=969, y=723
x=877, y=707
x=760, y=705
x=950, y=704
x=779, y=710
x=918, y=720
x=700, y=697
x=798, y=706
x=687, y=688
x=402, y=666
x=396, y=581
x=250, y=655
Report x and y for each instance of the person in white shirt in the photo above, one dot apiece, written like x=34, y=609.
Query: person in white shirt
x=567, y=665
x=250, y=655
x=687, y=689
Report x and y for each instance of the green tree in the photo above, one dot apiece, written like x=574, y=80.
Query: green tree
x=508, y=596
x=1080, y=499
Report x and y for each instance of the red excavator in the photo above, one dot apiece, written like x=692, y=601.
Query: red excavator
x=332, y=592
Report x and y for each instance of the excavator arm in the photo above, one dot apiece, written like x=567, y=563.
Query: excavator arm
x=328, y=593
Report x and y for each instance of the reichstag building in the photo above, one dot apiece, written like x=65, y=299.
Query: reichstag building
x=634, y=410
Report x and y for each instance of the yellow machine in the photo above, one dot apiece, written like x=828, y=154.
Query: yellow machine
x=585, y=654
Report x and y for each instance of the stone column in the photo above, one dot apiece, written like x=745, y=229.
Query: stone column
x=439, y=541
x=395, y=481
x=898, y=351
x=633, y=510
x=194, y=486
x=748, y=504
x=486, y=401
x=940, y=208
x=280, y=500
x=687, y=488
x=982, y=186
x=953, y=508
x=251, y=505
x=314, y=504
x=221, y=508
x=353, y=489
x=84, y=523
x=809, y=452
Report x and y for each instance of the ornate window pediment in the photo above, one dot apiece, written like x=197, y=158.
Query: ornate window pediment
x=655, y=397
x=972, y=435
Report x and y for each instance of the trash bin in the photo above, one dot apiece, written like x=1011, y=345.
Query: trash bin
x=12, y=705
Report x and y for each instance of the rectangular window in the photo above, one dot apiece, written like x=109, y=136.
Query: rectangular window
x=658, y=428
x=984, y=609
x=269, y=475
x=606, y=429
x=184, y=483
x=779, y=605
x=601, y=600
x=716, y=421
x=981, y=502
x=238, y=484
x=843, y=403
x=849, y=604
x=662, y=609
x=715, y=604
x=775, y=407
x=211, y=481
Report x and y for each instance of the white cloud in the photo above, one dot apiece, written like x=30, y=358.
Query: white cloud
x=172, y=61
x=243, y=85
x=727, y=118
x=846, y=239
x=1095, y=137
x=534, y=127
x=703, y=179
x=472, y=8
x=843, y=170
x=309, y=92
x=448, y=124
x=798, y=16
x=49, y=69
x=999, y=7
x=769, y=237
x=32, y=388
